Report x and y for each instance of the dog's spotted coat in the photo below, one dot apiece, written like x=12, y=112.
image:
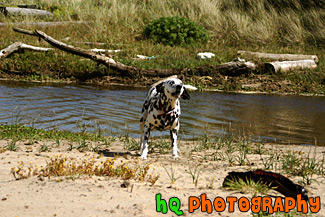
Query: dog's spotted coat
x=161, y=111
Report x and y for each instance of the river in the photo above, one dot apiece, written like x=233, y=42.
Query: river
x=270, y=118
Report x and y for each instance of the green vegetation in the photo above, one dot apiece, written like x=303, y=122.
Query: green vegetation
x=292, y=26
x=21, y=132
x=248, y=186
x=175, y=31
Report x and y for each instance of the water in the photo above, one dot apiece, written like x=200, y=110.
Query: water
x=270, y=118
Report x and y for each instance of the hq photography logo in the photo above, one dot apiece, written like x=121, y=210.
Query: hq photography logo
x=228, y=204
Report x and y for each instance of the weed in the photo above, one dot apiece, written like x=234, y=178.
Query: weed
x=58, y=142
x=171, y=174
x=12, y=145
x=243, y=151
x=195, y=175
x=44, y=148
x=248, y=186
x=295, y=163
x=153, y=178
x=260, y=148
x=210, y=184
x=231, y=158
x=161, y=146
x=207, y=142
x=62, y=166
x=130, y=143
x=272, y=161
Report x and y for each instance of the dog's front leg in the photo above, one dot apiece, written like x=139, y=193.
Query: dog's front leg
x=173, y=137
x=144, y=145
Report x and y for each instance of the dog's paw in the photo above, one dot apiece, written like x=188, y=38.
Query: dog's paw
x=143, y=157
x=176, y=157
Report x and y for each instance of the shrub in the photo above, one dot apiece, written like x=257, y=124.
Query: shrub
x=175, y=31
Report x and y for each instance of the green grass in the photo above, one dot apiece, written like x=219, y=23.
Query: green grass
x=21, y=132
x=291, y=22
x=248, y=186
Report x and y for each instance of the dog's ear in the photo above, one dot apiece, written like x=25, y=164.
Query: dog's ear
x=160, y=88
x=185, y=94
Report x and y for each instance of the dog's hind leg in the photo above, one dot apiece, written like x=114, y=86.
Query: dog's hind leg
x=144, y=145
x=173, y=137
x=142, y=136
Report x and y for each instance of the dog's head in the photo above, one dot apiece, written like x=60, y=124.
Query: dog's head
x=173, y=88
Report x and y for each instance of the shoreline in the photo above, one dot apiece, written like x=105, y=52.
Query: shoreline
x=148, y=86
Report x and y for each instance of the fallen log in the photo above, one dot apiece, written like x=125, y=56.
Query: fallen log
x=276, y=57
x=237, y=67
x=19, y=46
x=27, y=12
x=42, y=24
x=234, y=68
x=286, y=66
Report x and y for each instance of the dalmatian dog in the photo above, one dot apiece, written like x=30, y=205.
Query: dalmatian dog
x=161, y=111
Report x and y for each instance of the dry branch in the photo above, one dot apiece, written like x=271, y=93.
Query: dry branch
x=276, y=57
x=24, y=31
x=20, y=46
x=10, y=49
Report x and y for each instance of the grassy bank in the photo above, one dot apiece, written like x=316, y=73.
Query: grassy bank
x=234, y=151
x=291, y=26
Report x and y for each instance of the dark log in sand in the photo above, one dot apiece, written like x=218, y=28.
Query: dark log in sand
x=276, y=57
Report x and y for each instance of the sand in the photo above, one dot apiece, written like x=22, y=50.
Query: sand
x=107, y=196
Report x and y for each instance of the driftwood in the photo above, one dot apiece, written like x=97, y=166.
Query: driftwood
x=276, y=57
x=237, y=67
x=27, y=11
x=27, y=6
x=286, y=66
x=42, y=24
x=20, y=46
x=104, y=50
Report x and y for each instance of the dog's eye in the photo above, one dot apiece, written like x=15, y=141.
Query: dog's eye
x=171, y=82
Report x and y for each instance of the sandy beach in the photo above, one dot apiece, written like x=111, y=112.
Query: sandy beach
x=110, y=196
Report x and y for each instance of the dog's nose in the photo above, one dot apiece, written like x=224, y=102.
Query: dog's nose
x=178, y=87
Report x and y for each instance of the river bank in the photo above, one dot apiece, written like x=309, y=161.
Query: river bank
x=118, y=26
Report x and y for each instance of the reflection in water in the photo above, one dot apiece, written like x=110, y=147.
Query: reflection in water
x=272, y=118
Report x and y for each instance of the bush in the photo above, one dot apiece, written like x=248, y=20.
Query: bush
x=175, y=31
